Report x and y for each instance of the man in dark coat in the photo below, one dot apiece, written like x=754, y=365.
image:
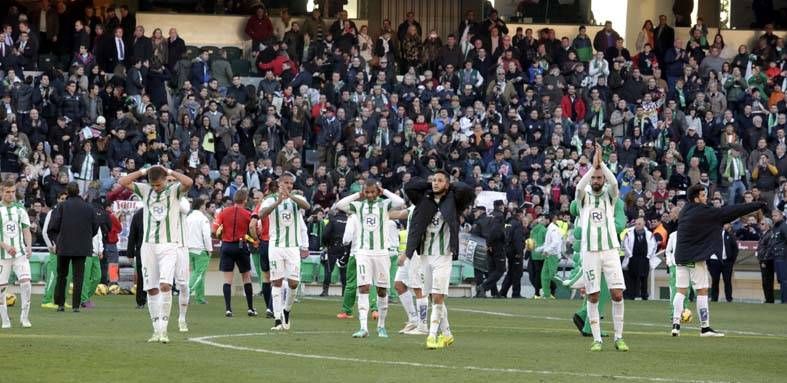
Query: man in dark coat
x=73, y=225
x=135, y=234
x=437, y=209
x=515, y=252
x=336, y=251
x=720, y=266
x=699, y=226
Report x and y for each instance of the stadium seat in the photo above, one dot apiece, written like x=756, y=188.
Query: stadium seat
x=240, y=67
x=37, y=261
x=233, y=53
x=309, y=270
x=456, y=273
x=312, y=158
x=46, y=62
x=468, y=272
x=66, y=61
x=192, y=51
x=211, y=48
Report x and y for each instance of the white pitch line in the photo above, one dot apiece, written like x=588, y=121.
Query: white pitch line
x=644, y=324
x=208, y=340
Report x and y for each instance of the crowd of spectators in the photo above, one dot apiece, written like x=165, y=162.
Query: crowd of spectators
x=515, y=111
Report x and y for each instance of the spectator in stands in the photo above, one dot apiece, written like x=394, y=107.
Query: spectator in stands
x=259, y=28
x=200, y=69
x=605, y=38
x=664, y=37
x=403, y=30
x=314, y=27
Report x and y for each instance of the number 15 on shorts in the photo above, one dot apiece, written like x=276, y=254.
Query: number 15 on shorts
x=590, y=275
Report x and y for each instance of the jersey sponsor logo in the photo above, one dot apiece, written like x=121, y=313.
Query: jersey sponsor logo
x=158, y=211
x=597, y=216
x=286, y=218
x=11, y=229
x=371, y=222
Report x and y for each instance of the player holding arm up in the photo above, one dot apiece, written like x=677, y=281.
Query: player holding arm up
x=596, y=194
x=288, y=244
x=372, y=260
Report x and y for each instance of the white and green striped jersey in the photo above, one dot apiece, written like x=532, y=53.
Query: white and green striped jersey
x=13, y=221
x=287, y=228
x=161, y=216
x=373, y=216
x=597, y=217
x=437, y=237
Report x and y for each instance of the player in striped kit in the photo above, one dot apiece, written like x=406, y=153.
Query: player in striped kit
x=182, y=270
x=288, y=243
x=15, y=252
x=161, y=238
x=372, y=259
x=409, y=282
x=596, y=194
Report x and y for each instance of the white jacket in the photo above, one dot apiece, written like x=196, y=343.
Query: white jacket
x=628, y=245
x=198, y=232
x=98, y=244
x=669, y=252
x=350, y=229
x=554, y=242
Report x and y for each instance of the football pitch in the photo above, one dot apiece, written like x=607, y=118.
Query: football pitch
x=496, y=341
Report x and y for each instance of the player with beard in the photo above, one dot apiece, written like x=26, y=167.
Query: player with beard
x=433, y=232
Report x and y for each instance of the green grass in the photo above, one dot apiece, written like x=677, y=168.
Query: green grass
x=527, y=341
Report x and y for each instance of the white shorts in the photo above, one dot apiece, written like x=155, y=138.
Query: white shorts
x=436, y=273
x=20, y=265
x=373, y=269
x=696, y=274
x=285, y=263
x=158, y=263
x=182, y=271
x=594, y=263
x=410, y=273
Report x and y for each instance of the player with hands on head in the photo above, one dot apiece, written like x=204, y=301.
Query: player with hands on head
x=162, y=238
x=288, y=243
x=373, y=264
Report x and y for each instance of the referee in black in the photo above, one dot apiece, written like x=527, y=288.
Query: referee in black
x=234, y=224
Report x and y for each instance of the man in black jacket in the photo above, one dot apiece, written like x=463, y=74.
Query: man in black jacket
x=437, y=209
x=73, y=225
x=721, y=265
x=336, y=250
x=515, y=251
x=699, y=226
x=135, y=234
x=494, y=233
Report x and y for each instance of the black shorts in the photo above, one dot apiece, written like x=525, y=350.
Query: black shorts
x=234, y=254
x=264, y=262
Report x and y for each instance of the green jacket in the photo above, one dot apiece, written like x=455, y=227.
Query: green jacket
x=538, y=234
x=710, y=159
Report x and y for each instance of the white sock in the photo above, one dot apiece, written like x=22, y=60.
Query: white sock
x=290, y=299
x=3, y=307
x=595, y=325
x=617, y=319
x=363, y=310
x=25, y=290
x=423, y=311
x=437, y=316
x=677, y=307
x=183, y=302
x=277, y=302
x=154, y=307
x=703, y=311
x=406, y=298
x=444, y=327
x=166, y=308
x=382, y=309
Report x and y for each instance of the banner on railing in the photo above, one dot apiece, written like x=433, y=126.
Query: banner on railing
x=124, y=211
x=472, y=251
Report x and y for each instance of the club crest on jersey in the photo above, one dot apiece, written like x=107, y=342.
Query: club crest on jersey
x=597, y=216
x=371, y=222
